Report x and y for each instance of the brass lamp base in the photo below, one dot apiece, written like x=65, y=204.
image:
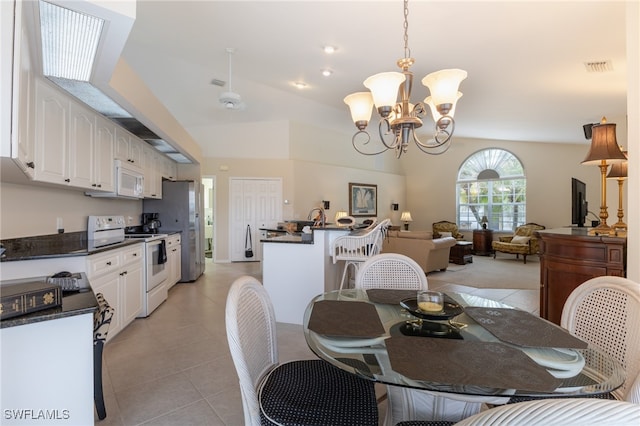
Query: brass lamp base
x=602, y=229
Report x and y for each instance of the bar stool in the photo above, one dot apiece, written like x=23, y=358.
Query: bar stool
x=356, y=249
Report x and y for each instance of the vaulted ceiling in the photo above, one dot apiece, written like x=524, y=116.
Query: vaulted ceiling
x=527, y=78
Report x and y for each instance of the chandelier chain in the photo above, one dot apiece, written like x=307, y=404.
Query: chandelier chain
x=407, y=51
x=398, y=117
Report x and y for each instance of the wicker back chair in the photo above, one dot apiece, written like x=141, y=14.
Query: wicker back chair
x=605, y=311
x=297, y=392
x=391, y=271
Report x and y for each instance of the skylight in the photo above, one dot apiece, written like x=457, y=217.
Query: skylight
x=69, y=42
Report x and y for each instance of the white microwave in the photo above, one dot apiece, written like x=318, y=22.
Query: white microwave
x=129, y=182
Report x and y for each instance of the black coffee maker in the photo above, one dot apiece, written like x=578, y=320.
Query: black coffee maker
x=150, y=223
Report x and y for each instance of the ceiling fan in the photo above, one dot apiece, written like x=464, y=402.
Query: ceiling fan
x=229, y=100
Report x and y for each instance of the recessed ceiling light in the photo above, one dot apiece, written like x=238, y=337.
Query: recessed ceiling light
x=300, y=84
x=329, y=49
x=327, y=72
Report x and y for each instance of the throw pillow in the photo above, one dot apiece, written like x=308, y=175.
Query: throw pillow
x=445, y=234
x=520, y=240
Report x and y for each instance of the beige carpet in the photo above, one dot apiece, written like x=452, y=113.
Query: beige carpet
x=486, y=272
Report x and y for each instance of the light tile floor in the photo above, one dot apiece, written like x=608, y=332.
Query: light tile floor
x=174, y=367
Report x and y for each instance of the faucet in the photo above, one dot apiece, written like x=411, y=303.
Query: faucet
x=323, y=216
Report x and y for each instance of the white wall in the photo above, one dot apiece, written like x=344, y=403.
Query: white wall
x=633, y=113
x=30, y=210
x=431, y=181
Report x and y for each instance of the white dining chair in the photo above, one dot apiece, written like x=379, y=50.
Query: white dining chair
x=395, y=271
x=550, y=412
x=356, y=249
x=565, y=412
x=391, y=271
x=605, y=312
x=302, y=392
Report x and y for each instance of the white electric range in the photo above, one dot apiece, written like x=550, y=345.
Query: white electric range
x=156, y=272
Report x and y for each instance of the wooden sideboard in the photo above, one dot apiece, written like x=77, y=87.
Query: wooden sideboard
x=569, y=257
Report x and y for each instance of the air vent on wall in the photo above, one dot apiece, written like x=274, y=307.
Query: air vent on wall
x=598, y=66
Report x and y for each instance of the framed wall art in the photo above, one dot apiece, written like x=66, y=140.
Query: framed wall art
x=363, y=199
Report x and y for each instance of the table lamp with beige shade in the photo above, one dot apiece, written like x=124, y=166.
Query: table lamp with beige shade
x=406, y=218
x=618, y=171
x=604, y=151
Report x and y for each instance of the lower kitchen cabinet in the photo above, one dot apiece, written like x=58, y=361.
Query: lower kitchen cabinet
x=174, y=255
x=119, y=275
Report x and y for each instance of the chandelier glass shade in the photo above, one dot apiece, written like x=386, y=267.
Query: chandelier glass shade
x=390, y=93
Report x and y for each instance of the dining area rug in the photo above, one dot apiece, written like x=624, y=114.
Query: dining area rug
x=504, y=272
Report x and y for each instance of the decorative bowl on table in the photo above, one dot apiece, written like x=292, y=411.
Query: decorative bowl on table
x=450, y=309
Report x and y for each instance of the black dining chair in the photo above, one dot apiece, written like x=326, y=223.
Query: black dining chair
x=302, y=392
x=101, y=321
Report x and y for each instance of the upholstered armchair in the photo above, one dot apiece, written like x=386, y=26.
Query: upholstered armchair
x=522, y=242
x=446, y=226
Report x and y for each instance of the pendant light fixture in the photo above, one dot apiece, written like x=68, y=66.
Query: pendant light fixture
x=390, y=92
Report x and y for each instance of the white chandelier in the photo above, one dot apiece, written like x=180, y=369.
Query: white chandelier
x=401, y=118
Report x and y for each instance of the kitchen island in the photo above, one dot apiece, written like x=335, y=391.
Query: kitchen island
x=47, y=363
x=294, y=270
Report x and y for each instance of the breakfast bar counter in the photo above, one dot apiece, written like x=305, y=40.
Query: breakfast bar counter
x=47, y=364
x=295, y=272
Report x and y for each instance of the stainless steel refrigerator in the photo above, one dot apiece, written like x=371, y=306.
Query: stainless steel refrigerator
x=180, y=209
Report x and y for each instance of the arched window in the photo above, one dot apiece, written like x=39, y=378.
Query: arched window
x=491, y=183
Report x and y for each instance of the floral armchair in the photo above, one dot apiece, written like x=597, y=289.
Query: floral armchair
x=522, y=242
x=446, y=226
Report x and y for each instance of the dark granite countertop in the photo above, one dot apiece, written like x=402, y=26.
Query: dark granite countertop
x=297, y=238
x=54, y=245
x=73, y=304
x=288, y=239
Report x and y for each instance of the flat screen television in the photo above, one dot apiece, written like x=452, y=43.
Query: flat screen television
x=579, y=206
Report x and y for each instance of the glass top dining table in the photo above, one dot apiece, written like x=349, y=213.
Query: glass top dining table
x=476, y=346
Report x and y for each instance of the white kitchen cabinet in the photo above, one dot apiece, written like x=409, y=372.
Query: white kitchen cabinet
x=128, y=147
x=73, y=144
x=169, y=168
x=52, y=109
x=23, y=87
x=81, y=143
x=119, y=275
x=174, y=256
x=151, y=161
x=103, y=165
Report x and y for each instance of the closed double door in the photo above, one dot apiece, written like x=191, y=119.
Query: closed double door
x=255, y=203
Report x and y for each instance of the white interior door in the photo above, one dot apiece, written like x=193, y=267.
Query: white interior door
x=256, y=202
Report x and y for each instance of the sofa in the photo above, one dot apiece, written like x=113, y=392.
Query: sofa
x=431, y=254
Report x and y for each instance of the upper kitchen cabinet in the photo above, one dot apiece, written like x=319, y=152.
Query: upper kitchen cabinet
x=152, y=162
x=169, y=168
x=128, y=147
x=82, y=130
x=103, y=165
x=73, y=145
x=18, y=93
x=52, y=119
